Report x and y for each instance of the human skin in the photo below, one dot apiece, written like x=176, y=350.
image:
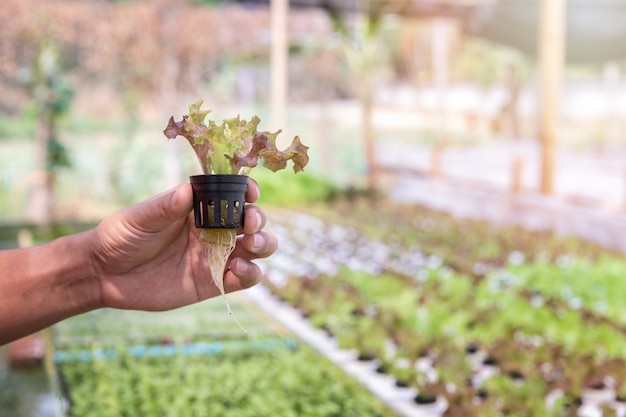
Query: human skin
x=143, y=257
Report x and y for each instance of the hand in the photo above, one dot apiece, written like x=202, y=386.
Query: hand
x=148, y=256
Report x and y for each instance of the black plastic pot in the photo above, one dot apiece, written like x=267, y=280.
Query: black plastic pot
x=218, y=200
x=424, y=399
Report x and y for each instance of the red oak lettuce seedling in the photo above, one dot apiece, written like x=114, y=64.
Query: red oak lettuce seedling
x=233, y=147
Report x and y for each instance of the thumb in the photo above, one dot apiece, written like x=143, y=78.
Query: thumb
x=157, y=213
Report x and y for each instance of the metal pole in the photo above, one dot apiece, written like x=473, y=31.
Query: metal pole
x=551, y=58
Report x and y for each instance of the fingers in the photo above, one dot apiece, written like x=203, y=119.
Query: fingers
x=255, y=243
x=242, y=274
x=254, y=219
x=255, y=246
x=252, y=192
x=160, y=211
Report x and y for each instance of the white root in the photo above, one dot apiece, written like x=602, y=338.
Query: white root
x=220, y=244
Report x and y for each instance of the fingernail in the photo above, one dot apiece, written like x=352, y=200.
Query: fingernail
x=259, y=219
x=174, y=197
x=242, y=267
x=258, y=241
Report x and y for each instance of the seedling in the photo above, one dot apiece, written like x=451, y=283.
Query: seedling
x=227, y=152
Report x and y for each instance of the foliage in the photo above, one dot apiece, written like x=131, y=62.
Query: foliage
x=535, y=308
x=235, y=146
x=21, y=126
x=285, y=190
x=582, y=283
x=142, y=45
x=185, y=362
x=194, y=322
x=243, y=383
x=467, y=245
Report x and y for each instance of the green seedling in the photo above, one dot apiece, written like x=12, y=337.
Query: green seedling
x=233, y=147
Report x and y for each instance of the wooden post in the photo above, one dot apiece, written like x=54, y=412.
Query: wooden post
x=279, y=57
x=441, y=68
x=516, y=174
x=551, y=57
x=41, y=203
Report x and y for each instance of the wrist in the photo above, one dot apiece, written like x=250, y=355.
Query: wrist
x=72, y=277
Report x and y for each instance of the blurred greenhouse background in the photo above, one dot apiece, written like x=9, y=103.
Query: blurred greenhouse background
x=488, y=136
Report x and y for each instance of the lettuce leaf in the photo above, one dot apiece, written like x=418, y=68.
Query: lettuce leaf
x=234, y=146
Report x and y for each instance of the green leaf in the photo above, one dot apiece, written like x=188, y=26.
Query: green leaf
x=234, y=146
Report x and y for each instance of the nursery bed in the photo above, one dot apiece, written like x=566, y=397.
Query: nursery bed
x=196, y=361
x=399, y=399
x=515, y=328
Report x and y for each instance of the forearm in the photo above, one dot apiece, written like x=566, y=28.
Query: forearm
x=42, y=285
